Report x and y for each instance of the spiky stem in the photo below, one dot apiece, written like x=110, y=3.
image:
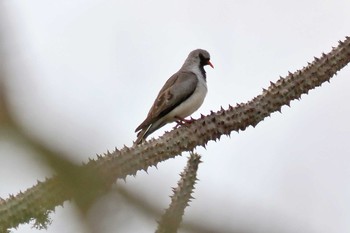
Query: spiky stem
x=172, y=217
x=128, y=161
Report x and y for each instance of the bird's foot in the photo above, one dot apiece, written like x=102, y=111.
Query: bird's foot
x=182, y=121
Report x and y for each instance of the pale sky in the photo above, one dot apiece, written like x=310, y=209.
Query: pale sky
x=85, y=73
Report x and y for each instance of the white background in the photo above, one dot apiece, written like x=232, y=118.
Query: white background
x=85, y=73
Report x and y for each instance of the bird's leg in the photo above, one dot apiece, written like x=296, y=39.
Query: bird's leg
x=182, y=121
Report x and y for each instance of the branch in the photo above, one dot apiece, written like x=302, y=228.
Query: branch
x=172, y=217
x=129, y=160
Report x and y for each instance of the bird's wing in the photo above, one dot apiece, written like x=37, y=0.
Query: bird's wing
x=177, y=89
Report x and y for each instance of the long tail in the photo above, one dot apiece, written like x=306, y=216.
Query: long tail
x=142, y=135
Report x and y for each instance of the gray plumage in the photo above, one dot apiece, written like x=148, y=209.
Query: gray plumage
x=181, y=95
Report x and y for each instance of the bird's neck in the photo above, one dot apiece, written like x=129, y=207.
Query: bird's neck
x=202, y=70
x=198, y=70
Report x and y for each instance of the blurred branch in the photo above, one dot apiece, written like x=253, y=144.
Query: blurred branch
x=71, y=182
x=95, y=177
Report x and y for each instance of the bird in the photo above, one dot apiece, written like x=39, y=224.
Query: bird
x=182, y=94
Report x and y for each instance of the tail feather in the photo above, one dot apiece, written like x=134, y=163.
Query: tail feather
x=143, y=134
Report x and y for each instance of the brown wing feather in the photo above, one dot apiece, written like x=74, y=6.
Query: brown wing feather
x=177, y=89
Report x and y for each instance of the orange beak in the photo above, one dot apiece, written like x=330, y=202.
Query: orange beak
x=209, y=63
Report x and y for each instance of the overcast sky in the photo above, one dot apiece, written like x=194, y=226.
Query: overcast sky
x=85, y=73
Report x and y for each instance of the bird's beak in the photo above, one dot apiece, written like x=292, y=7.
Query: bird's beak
x=209, y=63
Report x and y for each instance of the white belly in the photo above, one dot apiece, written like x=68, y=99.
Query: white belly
x=190, y=105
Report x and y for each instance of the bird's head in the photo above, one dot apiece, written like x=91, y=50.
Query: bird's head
x=198, y=57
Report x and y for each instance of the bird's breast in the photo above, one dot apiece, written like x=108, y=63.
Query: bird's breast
x=191, y=104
